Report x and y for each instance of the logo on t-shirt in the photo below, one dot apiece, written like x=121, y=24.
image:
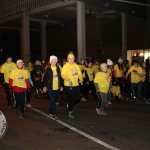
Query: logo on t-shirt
x=3, y=125
x=20, y=77
x=9, y=69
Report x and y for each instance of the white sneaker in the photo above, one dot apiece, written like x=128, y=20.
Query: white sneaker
x=57, y=103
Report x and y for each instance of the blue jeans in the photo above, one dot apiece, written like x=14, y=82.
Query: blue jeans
x=53, y=96
x=139, y=87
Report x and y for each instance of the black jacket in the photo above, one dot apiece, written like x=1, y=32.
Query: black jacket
x=48, y=77
x=37, y=68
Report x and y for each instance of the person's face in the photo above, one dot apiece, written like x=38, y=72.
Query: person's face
x=82, y=62
x=104, y=68
x=136, y=64
x=9, y=60
x=90, y=65
x=53, y=62
x=20, y=65
x=37, y=62
x=144, y=65
x=71, y=60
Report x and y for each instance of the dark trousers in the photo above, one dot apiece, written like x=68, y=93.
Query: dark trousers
x=145, y=90
x=53, y=96
x=8, y=94
x=90, y=86
x=20, y=100
x=120, y=83
x=74, y=96
x=83, y=89
x=28, y=97
x=139, y=88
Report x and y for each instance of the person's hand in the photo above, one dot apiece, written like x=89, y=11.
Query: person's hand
x=45, y=89
x=61, y=88
x=98, y=90
x=11, y=91
x=69, y=81
x=29, y=90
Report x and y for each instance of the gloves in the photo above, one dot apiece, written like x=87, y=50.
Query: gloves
x=29, y=90
x=11, y=91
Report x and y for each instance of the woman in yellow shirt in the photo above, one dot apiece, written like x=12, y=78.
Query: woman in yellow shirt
x=72, y=76
x=89, y=78
x=52, y=82
x=119, y=73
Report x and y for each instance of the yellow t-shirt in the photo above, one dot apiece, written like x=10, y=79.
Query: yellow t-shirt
x=71, y=72
x=19, y=77
x=90, y=73
x=144, y=75
x=118, y=72
x=6, y=70
x=103, y=80
x=30, y=66
x=55, y=78
x=135, y=78
x=95, y=68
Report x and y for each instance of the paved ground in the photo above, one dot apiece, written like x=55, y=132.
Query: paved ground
x=126, y=127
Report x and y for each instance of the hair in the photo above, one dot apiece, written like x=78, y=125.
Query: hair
x=120, y=66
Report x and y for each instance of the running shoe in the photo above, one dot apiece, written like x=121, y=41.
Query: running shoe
x=83, y=99
x=22, y=116
x=98, y=111
x=57, y=103
x=55, y=117
x=71, y=115
x=103, y=113
x=28, y=105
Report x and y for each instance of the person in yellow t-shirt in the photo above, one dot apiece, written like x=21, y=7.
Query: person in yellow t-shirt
x=102, y=84
x=95, y=67
x=19, y=84
x=89, y=78
x=5, y=71
x=119, y=73
x=136, y=81
x=72, y=76
x=52, y=82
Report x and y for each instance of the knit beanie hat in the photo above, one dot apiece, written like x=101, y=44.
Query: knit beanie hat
x=52, y=57
x=109, y=62
x=19, y=61
x=70, y=56
x=120, y=60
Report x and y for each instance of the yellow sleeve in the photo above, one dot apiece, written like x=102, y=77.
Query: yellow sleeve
x=97, y=77
x=130, y=70
x=3, y=69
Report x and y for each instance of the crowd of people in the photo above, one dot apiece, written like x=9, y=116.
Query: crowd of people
x=105, y=80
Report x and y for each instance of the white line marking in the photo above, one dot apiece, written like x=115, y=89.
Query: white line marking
x=79, y=131
x=76, y=130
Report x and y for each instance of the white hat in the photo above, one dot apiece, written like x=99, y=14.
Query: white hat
x=19, y=61
x=109, y=62
x=120, y=60
x=52, y=57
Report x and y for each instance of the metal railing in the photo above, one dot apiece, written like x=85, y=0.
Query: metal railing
x=22, y=6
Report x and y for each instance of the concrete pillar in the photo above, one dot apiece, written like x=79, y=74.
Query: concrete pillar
x=25, y=38
x=81, y=35
x=43, y=40
x=124, y=36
